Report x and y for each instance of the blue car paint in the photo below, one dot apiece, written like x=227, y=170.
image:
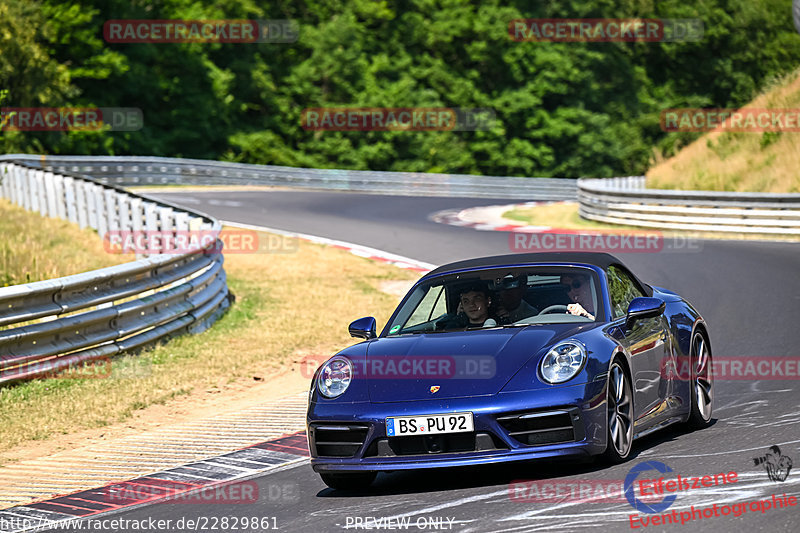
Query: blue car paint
x=516, y=387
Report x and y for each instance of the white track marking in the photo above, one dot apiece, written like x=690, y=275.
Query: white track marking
x=357, y=249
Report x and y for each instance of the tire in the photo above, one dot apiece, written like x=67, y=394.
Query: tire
x=349, y=481
x=619, y=419
x=702, y=383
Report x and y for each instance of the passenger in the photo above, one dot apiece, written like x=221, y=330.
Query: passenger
x=512, y=306
x=474, y=301
x=579, y=290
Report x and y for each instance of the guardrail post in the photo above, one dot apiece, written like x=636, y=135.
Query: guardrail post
x=25, y=183
x=195, y=223
x=181, y=221
x=91, y=204
x=31, y=192
x=124, y=212
x=167, y=216
x=61, y=198
x=13, y=187
x=70, y=200
x=19, y=192
x=81, y=203
x=99, y=201
x=112, y=210
x=135, y=206
x=5, y=188
x=8, y=182
x=151, y=223
x=137, y=214
x=50, y=195
x=42, y=192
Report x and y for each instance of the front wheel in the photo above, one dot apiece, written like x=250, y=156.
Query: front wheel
x=702, y=394
x=619, y=427
x=357, y=481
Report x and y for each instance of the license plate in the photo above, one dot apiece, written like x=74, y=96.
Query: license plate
x=429, y=424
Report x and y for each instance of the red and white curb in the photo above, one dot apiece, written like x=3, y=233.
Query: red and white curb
x=194, y=480
x=488, y=218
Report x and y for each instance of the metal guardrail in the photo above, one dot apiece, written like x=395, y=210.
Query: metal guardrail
x=49, y=325
x=127, y=171
x=627, y=201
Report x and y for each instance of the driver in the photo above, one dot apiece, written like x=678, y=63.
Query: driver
x=511, y=305
x=579, y=290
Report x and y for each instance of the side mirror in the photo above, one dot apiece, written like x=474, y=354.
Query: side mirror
x=640, y=308
x=363, y=328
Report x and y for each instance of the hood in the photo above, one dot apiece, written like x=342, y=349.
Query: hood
x=460, y=364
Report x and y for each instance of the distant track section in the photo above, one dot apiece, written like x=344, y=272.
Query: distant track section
x=126, y=171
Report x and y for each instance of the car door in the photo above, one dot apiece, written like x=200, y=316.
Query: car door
x=646, y=341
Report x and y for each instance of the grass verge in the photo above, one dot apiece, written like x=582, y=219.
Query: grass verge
x=556, y=215
x=564, y=215
x=740, y=161
x=286, y=304
x=33, y=247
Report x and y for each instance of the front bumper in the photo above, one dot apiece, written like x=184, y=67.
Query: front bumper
x=497, y=431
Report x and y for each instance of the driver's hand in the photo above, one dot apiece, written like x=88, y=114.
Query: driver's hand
x=577, y=309
x=501, y=312
x=502, y=316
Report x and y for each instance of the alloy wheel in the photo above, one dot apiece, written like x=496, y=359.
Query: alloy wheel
x=620, y=411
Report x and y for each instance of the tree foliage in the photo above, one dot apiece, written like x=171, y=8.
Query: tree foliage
x=562, y=109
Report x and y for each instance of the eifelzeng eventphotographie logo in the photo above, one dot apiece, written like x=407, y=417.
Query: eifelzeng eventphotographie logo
x=776, y=464
x=630, y=494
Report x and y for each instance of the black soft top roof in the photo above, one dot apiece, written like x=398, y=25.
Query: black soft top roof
x=591, y=258
x=602, y=260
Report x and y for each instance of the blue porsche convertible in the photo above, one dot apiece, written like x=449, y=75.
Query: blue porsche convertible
x=510, y=358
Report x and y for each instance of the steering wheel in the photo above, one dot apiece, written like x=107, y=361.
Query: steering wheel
x=558, y=308
x=449, y=320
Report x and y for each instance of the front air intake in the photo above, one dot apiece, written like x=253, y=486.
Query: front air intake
x=336, y=440
x=542, y=427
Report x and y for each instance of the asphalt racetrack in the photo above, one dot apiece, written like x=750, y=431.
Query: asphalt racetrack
x=748, y=292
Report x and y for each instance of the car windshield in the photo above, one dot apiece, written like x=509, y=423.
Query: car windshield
x=500, y=298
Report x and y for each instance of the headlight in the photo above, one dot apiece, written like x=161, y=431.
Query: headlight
x=334, y=377
x=563, y=362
